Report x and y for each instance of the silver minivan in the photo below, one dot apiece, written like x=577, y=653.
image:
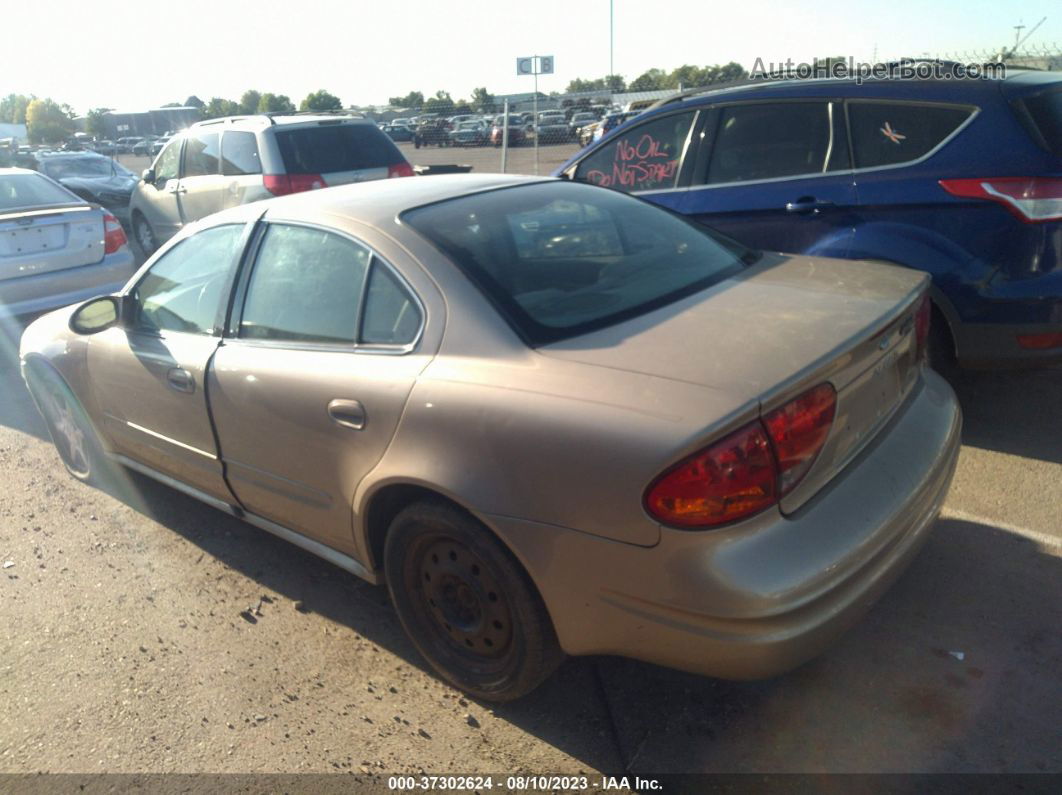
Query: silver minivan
x=222, y=163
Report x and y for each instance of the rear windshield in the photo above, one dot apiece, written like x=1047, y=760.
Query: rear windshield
x=559, y=259
x=1045, y=111
x=338, y=147
x=62, y=168
x=21, y=191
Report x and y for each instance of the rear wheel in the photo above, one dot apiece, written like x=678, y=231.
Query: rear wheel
x=467, y=604
x=145, y=235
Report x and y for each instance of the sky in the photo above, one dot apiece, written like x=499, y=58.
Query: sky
x=145, y=55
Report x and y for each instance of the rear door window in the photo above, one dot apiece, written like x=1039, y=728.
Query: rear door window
x=201, y=154
x=1045, y=111
x=891, y=133
x=305, y=287
x=329, y=148
x=767, y=140
x=239, y=154
x=646, y=157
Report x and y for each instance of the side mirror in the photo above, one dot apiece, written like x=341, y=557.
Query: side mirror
x=148, y=176
x=96, y=315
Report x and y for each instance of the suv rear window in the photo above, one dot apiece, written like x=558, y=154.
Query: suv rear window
x=327, y=149
x=887, y=133
x=1045, y=111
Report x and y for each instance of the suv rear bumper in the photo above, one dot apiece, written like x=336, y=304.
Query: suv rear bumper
x=995, y=346
x=758, y=598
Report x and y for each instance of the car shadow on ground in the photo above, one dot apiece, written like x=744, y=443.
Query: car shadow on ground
x=568, y=711
x=1015, y=412
x=957, y=669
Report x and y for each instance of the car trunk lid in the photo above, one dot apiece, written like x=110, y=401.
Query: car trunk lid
x=776, y=330
x=50, y=239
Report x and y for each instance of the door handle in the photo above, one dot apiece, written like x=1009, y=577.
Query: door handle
x=807, y=204
x=348, y=413
x=178, y=189
x=180, y=379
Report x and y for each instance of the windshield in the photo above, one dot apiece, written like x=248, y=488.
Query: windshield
x=83, y=167
x=559, y=259
x=21, y=191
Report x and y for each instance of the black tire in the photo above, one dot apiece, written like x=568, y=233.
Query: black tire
x=144, y=235
x=941, y=346
x=71, y=430
x=467, y=604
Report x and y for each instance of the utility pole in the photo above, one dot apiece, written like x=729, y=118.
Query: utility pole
x=1017, y=36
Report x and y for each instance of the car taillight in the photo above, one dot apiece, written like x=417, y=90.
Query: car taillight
x=734, y=478
x=1031, y=199
x=113, y=234
x=922, y=318
x=284, y=184
x=798, y=430
x=747, y=471
x=402, y=169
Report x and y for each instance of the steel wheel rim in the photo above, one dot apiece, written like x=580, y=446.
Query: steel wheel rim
x=465, y=605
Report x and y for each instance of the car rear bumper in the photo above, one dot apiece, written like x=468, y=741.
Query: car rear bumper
x=1008, y=309
x=31, y=295
x=758, y=598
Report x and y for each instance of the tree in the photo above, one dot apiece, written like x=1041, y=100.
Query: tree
x=218, y=107
x=414, y=99
x=94, y=124
x=249, y=101
x=606, y=83
x=442, y=103
x=321, y=100
x=275, y=103
x=483, y=100
x=653, y=80
x=194, y=102
x=13, y=108
x=47, y=121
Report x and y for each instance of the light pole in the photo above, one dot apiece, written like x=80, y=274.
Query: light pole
x=611, y=44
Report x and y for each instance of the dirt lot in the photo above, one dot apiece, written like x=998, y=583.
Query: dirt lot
x=143, y=631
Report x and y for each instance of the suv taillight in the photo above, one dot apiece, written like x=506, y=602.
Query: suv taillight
x=1031, y=199
x=113, y=234
x=402, y=169
x=747, y=471
x=284, y=184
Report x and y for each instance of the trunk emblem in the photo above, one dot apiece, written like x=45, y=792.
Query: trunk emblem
x=883, y=344
x=23, y=221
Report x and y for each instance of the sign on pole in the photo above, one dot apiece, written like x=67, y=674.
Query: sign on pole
x=535, y=65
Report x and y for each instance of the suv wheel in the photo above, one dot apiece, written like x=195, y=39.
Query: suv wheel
x=145, y=235
x=466, y=603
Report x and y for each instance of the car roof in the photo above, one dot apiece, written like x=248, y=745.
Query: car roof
x=267, y=120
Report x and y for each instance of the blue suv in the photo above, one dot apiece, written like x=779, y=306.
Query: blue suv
x=960, y=178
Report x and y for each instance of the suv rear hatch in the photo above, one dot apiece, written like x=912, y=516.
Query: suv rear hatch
x=777, y=330
x=334, y=152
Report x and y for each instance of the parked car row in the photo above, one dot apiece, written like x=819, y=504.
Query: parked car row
x=552, y=126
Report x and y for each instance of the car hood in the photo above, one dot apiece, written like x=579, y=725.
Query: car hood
x=117, y=183
x=777, y=321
